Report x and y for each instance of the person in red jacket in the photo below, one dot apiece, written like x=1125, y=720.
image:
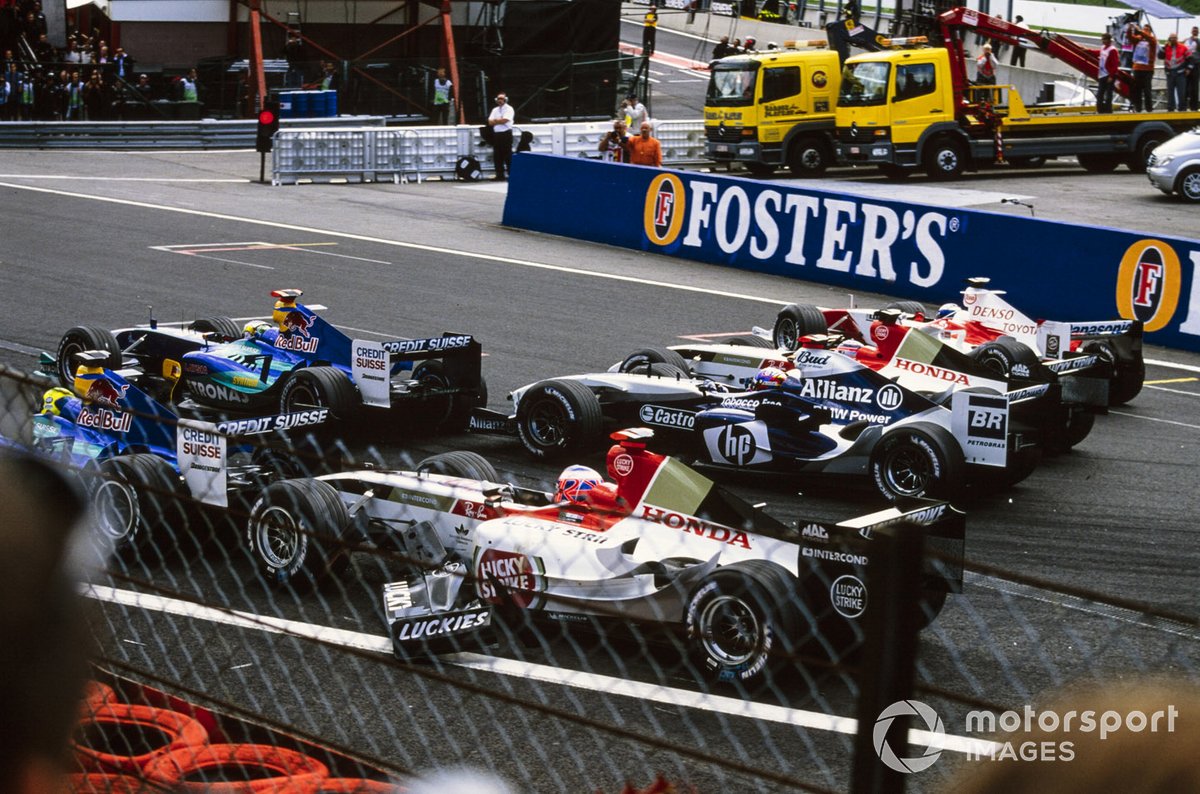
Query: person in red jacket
x=1110, y=61
x=1145, y=50
x=1175, y=64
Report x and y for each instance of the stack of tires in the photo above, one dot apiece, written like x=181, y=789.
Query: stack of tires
x=123, y=747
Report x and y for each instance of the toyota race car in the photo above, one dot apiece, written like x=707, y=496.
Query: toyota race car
x=296, y=362
x=658, y=543
x=999, y=336
x=827, y=414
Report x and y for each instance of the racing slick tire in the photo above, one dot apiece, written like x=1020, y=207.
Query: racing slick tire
x=557, y=418
x=1188, y=185
x=294, y=533
x=908, y=307
x=1007, y=357
x=639, y=361
x=236, y=768
x=742, y=622
x=918, y=460
x=447, y=412
x=797, y=320
x=138, y=502
x=468, y=465
x=1077, y=427
x=79, y=339
x=944, y=158
x=318, y=387
x=1128, y=375
x=225, y=329
x=120, y=737
x=748, y=340
x=667, y=371
x=809, y=157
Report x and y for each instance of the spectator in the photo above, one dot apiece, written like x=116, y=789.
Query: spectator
x=74, y=92
x=5, y=91
x=1018, y=52
x=443, y=96
x=500, y=120
x=649, y=31
x=143, y=90
x=72, y=54
x=636, y=113
x=1145, y=50
x=1110, y=61
x=293, y=51
x=189, y=87
x=43, y=637
x=736, y=47
x=985, y=74
x=329, y=76
x=26, y=93
x=9, y=111
x=722, y=49
x=123, y=64
x=94, y=97
x=1128, y=39
x=1193, y=69
x=43, y=49
x=614, y=146
x=1175, y=63
x=644, y=149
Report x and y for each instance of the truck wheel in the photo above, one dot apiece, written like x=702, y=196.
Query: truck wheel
x=1128, y=375
x=468, y=465
x=809, y=157
x=1007, y=357
x=557, y=418
x=1139, y=158
x=797, y=320
x=225, y=329
x=293, y=532
x=742, y=621
x=79, y=339
x=944, y=159
x=639, y=361
x=919, y=460
x=1099, y=163
x=138, y=505
x=1188, y=185
x=760, y=169
x=319, y=387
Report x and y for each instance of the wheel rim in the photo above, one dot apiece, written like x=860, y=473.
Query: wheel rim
x=908, y=471
x=65, y=353
x=277, y=537
x=117, y=510
x=810, y=159
x=730, y=630
x=1190, y=186
x=947, y=161
x=547, y=425
x=787, y=333
x=995, y=364
x=302, y=396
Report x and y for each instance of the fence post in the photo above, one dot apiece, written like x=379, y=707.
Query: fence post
x=889, y=653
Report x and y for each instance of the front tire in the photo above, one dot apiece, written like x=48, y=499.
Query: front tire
x=79, y=339
x=557, y=418
x=293, y=532
x=945, y=159
x=809, y=157
x=1188, y=185
x=920, y=460
x=795, y=321
x=742, y=622
x=640, y=361
x=468, y=465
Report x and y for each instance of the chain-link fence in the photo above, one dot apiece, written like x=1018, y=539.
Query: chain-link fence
x=288, y=598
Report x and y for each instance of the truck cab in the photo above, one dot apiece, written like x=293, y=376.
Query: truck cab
x=774, y=108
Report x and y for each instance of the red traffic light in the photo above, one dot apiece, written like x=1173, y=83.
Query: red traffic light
x=266, y=117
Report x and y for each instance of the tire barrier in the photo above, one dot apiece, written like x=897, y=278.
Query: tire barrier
x=357, y=785
x=100, y=783
x=235, y=768
x=95, y=696
x=119, y=737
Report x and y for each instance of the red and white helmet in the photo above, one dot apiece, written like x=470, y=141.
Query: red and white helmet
x=575, y=482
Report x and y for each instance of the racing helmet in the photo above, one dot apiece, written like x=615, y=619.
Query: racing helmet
x=53, y=400
x=947, y=310
x=575, y=482
x=768, y=378
x=256, y=328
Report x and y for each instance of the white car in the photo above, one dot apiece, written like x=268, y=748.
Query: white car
x=1174, y=167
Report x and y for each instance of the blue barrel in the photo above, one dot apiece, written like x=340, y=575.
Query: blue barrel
x=286, y=110
x=302, y=104
x=317, y=106
x=331, y=103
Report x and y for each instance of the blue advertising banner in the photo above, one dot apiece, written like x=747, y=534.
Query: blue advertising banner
x=1057, y=271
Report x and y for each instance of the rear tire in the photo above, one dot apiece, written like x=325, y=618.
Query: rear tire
x=446, y=412
x=319, y=387
x=920, y=460
x=79, y=339
x=1139, y=158
x=293, y=532
x=1007, y=357
x=139, y=507
x=908, y=307
x=639, y=361
x=1128, y=376
x=557, y=418
x=468, y=465
x=748, y=340
x=797, y=320
x=225, y=329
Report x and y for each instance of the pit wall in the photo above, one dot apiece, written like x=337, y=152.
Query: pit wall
x=1052, y=270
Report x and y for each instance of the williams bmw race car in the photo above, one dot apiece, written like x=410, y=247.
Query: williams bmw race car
x=659, y=543
x=296, y=362
x=827, y=414
x=999, y=336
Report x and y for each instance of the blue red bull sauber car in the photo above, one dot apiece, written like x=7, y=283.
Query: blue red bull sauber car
x=297, y=361
x=658, y=542
x=826, y=414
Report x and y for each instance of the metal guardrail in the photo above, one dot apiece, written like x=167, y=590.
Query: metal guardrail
x=416, y=153
x=204, y=134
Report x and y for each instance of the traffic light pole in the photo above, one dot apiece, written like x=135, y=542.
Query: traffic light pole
x=262, y=167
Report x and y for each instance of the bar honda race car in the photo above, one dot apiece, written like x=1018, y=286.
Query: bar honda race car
x=997, y=335
x=827, y=414
x=296, y=362
x=660, y=543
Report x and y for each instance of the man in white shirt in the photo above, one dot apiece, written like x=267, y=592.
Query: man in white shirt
x=501, y=121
